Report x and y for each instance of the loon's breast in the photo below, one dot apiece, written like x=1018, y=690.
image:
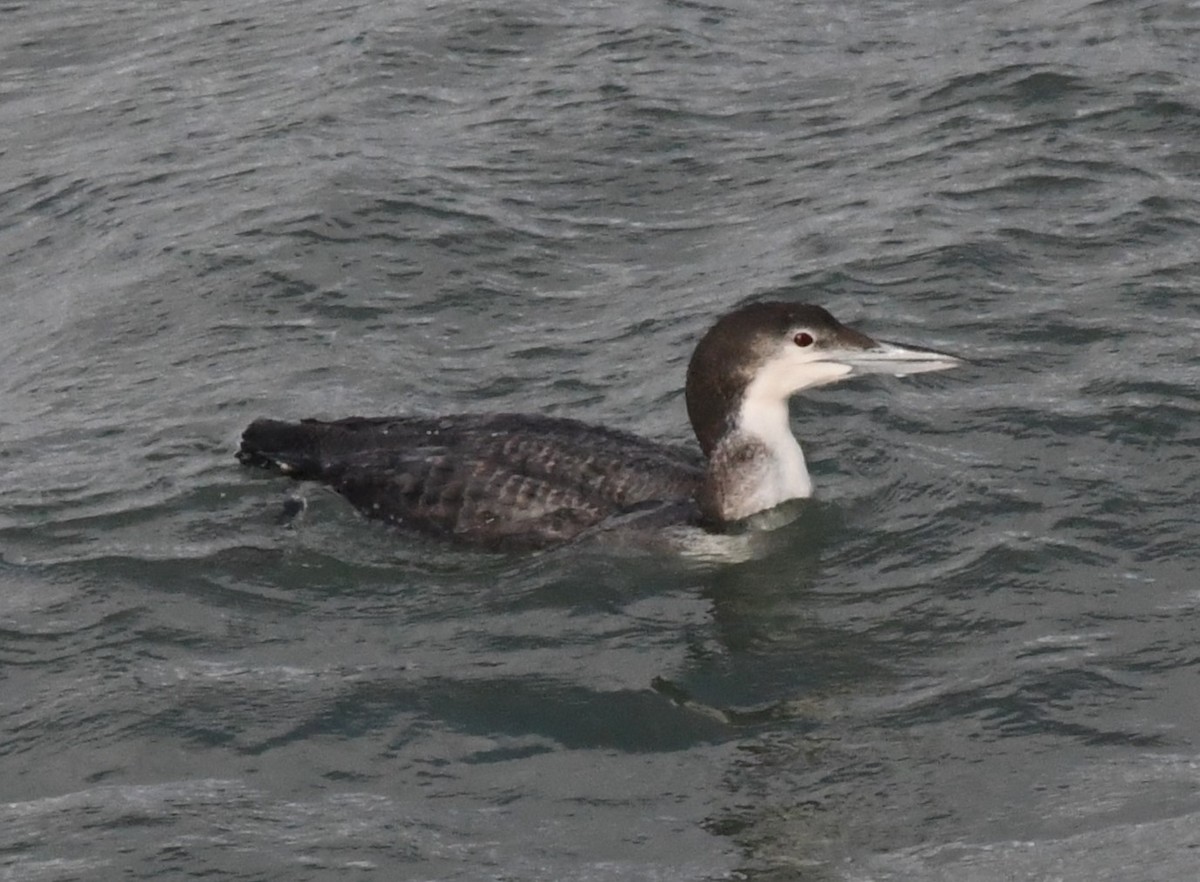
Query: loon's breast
x=495, y=480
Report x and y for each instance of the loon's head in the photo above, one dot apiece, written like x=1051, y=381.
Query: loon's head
x=741, y=376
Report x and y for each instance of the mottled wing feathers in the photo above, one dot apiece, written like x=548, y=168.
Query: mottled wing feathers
x=489, y=505
x=495, y=480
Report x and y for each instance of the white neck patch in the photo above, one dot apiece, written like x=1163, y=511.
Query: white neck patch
x=780, y=473
x=784, y=475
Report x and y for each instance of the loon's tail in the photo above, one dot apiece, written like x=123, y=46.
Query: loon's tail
x=292, y=449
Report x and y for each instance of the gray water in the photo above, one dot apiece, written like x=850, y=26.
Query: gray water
x=974, y=657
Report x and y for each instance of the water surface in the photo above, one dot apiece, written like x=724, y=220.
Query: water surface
x=971, y=658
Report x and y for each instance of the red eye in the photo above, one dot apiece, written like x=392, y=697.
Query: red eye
x=803, y=338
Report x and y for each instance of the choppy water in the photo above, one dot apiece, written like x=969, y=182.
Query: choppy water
x=974, y=659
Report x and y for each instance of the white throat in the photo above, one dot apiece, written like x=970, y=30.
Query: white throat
x=759, y=464
x=784, y=474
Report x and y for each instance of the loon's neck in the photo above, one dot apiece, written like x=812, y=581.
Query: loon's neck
x=756, y=464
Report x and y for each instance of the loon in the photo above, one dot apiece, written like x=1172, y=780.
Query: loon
x=504, y=480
